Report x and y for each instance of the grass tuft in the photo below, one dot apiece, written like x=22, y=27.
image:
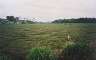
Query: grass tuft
x=40, y=54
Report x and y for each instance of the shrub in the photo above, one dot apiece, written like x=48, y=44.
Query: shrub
x=5, y=57
x=41, y=54
x=77, y=51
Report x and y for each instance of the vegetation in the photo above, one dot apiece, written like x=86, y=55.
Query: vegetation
x=11, y=18
x=18, y=39
x=5, y=57
x=14, y=20
x=41, y=54
x=77, y=51
x=78, y=20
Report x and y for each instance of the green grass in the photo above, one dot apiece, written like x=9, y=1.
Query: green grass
x=54, y=36
x=5, y=57
x=77, y=51
x=41, y=54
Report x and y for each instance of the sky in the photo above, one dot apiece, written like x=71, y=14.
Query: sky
x=47, y=10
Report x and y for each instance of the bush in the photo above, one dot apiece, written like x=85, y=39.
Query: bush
x=5, y=57
x=40, y=54
x=77, y=51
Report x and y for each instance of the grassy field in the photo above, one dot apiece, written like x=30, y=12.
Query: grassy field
x=44, y=35
x=54, y=36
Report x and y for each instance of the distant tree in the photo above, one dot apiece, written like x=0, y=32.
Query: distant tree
x=17, y=19
x=78, y=20
x=23, y=22
x=11, y=18
x=29, y=22
x=3, y=21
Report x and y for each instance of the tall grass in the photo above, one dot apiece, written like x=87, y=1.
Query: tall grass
x=5, y=57
x=77, y=51
x=41, y=54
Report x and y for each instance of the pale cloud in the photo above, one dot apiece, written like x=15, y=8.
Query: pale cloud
x=48, y=8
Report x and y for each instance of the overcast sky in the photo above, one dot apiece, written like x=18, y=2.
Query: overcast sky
x=48, y=9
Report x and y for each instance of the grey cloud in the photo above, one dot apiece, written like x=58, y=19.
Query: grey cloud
x=48, y=8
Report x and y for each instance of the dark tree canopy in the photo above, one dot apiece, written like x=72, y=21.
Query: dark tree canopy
x=11, y=18
x=78, y=20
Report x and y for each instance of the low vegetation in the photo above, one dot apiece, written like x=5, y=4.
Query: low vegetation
x=77, y=51
x=41, y=54
x=15, y=20
x=18, y=40
x=76, y=20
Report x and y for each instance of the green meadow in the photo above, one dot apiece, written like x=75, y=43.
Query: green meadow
x=22, y=37
x=44, y=35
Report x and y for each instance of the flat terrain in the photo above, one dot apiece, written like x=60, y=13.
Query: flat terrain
x=54, y=36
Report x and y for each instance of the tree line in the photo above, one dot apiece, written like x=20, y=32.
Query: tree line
x=73, y=20
x=14, y=20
